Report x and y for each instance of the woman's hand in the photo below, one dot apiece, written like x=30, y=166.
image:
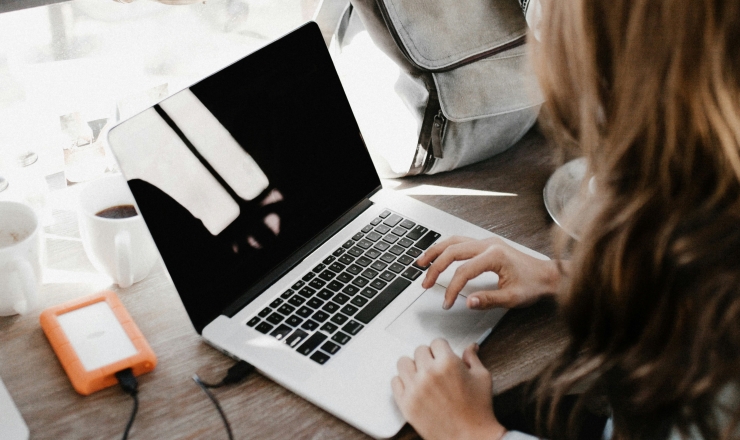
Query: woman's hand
x=445, y=397
x=522, y=279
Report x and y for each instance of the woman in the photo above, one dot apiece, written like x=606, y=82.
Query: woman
x=649, y=90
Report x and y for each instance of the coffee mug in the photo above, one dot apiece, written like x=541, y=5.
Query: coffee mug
x=116, y=242
x=20, y=259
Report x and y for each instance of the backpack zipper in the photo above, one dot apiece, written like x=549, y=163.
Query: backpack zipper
x=437, y=131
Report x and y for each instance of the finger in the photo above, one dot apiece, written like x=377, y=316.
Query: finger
x=423, y=357
x=489, y=299
x=406, y=369
x=441, y=349
x=466, y=272
x=398, y=389
x=453, y=252
x=433, y=252
x=470, y=357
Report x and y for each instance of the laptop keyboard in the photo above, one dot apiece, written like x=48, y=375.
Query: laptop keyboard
x=333, y=302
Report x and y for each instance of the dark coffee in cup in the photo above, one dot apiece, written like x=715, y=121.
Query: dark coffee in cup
x=118, y=211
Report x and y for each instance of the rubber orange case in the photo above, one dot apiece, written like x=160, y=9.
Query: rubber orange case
x=87, y=382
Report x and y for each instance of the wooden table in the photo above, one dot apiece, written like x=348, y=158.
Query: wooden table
x=172, y=406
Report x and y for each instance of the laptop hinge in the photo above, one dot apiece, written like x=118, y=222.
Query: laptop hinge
x=297, y=257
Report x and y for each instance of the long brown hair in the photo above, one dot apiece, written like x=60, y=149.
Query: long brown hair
x=649, y=90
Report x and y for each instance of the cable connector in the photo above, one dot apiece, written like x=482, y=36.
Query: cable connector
x=236, y=373
x=130, y=386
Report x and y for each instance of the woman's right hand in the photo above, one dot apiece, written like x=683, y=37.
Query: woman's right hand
x=522, y=279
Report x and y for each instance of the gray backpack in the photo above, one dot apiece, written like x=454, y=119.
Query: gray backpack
x=463, y=75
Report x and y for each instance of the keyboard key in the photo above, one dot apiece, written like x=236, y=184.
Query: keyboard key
x=364, y=244
x=335, y=286
x=356, y=251
x=327, y=275
x=338, y=252
x=337, y=267
x=405, y=242
x=320, y=316
x=296, y=301
x=276, y=303
x=275, y=318
x=352, y=327
x=368, y=292
x=387, y=275
x=346, y=259
x=330, y=347
x=310, y=325
x=382, y=229
x=414, y=252
x=354, y=269
x=325, y=294
x=252, y=322
x=359, y=282
x=417, y=232
x=263, y=327
x=286, y=294
x=311, y=343
x=296, y=338
x=307, y=277
x=427, y=240
x=408, y=224
x=341, y=338
x=388, y=257
x=294, y=321
x=416, y=265
x=286, y=309
x=304, y=312
x=363, y=261
x=357, y=236
x=330, y=307
x=373, y=236
x=266, y=311
x=396, y=250
x=340, y=298
x=411, y=273
x=348, y=244
x=393, y=220
x=379, y=265
x=339, y=319
x=397, y=268
x=317, y=283
x=306, y=292
x=390, y=238
x=319, y=268
x=298, y=284
x=367, y=229
x=349, y=310
x=385, y=214
x=399, y=231
x=379, y=284
x=376, y=221
x=372, y=254
x=350, y=290
x=359, y=301
x=320, y=357
x=329, y=328
x=281, y=332
x=315, y=303
x=344, y=277
x=405, y=260
x=369, y=274
x=381, y=301
x=330, y=259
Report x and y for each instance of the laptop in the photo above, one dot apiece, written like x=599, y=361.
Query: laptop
x=286, y=251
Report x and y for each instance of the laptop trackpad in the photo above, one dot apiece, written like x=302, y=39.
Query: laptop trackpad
x=424, y=320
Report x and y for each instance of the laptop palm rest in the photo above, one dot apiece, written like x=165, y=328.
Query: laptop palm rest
x=424, y=320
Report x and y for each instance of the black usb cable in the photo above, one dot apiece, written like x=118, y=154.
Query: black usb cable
x=130, y=385
x=236, y=373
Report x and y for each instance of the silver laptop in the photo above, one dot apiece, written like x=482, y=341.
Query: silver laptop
x=285, y=249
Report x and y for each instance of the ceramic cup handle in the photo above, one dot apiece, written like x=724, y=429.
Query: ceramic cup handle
x=24, y=300
x=124, y=259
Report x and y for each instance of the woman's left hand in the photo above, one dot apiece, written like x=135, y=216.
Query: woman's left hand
x=443, y=396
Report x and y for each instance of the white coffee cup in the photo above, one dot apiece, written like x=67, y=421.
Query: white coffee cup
x=20, y=259
x=119, y=247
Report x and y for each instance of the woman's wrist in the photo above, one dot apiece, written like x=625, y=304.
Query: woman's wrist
x=490, y=431
x=552, y=276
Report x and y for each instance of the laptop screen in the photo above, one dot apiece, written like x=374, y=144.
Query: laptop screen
x=236, y=173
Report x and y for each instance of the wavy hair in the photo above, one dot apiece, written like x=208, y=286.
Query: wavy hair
x=649, y=91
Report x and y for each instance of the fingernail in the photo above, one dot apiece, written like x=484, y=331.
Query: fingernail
x=445, y=305
x=474, y=303
x=476, y=347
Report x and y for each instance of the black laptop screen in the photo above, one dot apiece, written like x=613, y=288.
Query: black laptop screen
x=236, y=173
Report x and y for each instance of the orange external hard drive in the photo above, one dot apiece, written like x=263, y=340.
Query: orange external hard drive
x=94, y=338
